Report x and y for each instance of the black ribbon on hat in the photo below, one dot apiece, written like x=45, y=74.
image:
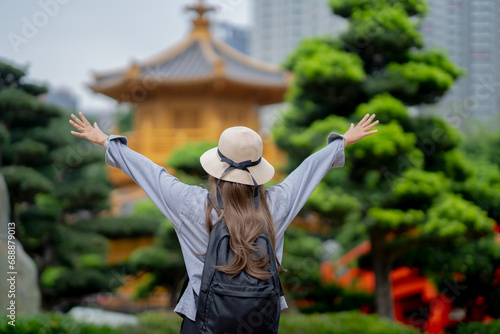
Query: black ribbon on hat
x=242, y=166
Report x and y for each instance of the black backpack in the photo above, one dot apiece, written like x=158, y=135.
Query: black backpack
x=239, y=304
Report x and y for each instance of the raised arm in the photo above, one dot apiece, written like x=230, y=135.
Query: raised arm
x=166, y=191
x=287, y=198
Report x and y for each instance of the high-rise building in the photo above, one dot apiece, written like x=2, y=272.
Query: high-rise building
x=62, y=97
x=235, y=36
x=470, y=31
x=279, y=26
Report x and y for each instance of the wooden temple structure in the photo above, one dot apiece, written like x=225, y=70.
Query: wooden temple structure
x=191, y=92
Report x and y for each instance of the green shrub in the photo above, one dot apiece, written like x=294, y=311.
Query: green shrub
x=162, y=322
x=51, y=323
x=187, y=157
x=155, y=322
x=340, y=323
x=334, y=298
x=51, y=274
x=82, y=281
x=479, y=328
x=290, y=323
x=121, y=227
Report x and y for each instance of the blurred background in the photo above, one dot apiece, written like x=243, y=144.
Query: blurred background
x=404, y=238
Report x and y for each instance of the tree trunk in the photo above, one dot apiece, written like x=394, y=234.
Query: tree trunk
x=382, y=265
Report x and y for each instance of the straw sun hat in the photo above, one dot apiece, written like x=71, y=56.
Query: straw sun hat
x=238, y=158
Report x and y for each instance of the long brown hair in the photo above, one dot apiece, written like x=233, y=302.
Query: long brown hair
x=245, y=223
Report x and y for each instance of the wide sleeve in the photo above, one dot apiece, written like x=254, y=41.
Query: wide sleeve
x=287, y=198
x=165, y=190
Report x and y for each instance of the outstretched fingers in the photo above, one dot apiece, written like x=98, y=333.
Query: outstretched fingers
x=367, y=123
x=371, y=125
x=78, y=134
x=78, y=127
x=77, y=120
x=84, y=119
x=363, y=120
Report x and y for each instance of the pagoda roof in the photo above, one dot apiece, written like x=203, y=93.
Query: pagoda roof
x=200, y=59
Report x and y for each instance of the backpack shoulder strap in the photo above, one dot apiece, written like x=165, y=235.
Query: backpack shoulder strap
x=218, y=232
x=274, y=267
x=186, y=276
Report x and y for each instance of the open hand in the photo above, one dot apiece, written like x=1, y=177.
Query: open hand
x=361, y=130
x=87, y=131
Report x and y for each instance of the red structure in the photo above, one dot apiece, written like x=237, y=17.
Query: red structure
x=417, y=301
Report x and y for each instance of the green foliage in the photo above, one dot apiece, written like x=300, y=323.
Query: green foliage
x=24, y=183
x=301, y=259
x=121, y=227
x=417, y=189
x=434, y=136
x=50, y=175
x=156, y=322
x=22, y=110
x=483, y=140
x=492, y=327
x=147, y=208
x=411, y=82
x=51, y=274
x=340, y=73
x=453, y=217
x=391, y=219
x=28, y=150
x=437, y=59
x=333, y=203
x=4, y=135
x=144, y=286
x=33, y=89
x=456, y=165
x=309, y=47
x=163, y=260
x=83, y=195
x=305, y=142
x=124, y=117
x=83, y=281
x=158, y=258
x=187, y=158
x=386, y=107
x=10, y=75
x=340, y=323
x=403, y=178
x=390, y=152
x=483, y=188
x=333, y=298
x=92, y=260
x=52, y=323
x=345, y=8
x=78, y=243
x=381, y=36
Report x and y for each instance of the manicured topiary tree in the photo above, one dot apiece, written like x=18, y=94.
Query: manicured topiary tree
x=409, y=185
x=51, y=176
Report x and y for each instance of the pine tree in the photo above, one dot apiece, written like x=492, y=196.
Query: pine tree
x=406, y=186
x=52, y=177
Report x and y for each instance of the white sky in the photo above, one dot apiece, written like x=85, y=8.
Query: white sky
x=74, y=37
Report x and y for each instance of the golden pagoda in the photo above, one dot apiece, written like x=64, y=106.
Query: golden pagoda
x=190, y=92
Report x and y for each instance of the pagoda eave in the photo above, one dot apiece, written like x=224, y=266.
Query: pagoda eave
x=138, y=89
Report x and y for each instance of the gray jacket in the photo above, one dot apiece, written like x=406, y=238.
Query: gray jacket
x=185, y=205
